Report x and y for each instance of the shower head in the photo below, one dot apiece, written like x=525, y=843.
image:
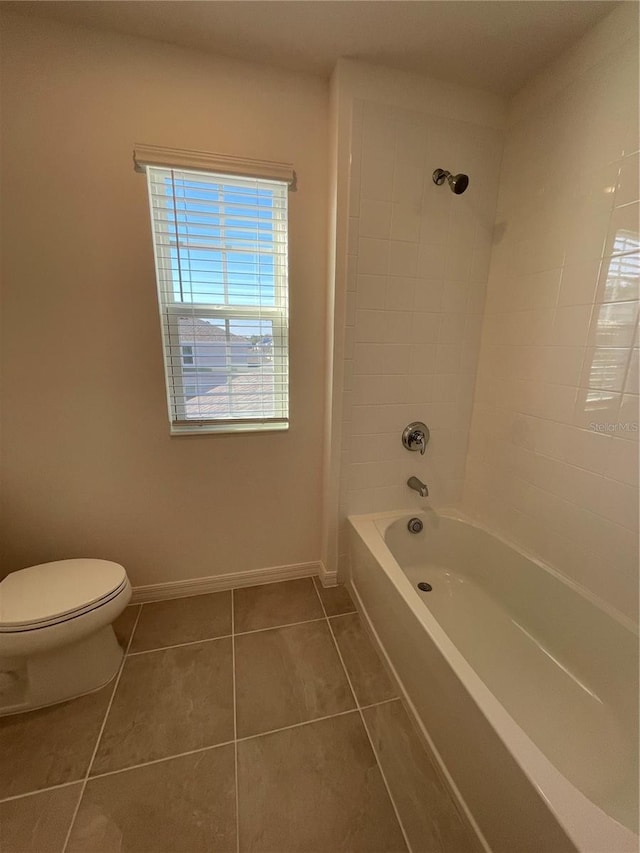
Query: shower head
x=458, y=183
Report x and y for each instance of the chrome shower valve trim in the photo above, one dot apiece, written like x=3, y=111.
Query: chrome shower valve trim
x=415, y=436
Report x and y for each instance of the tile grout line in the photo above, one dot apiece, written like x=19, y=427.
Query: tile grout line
x=364, y=725
x=155, y=761
x=178, y=645
x=228, y=636
x=195, y=751
x=40, y=790
x=382, y=702
x=276, y=627
x=297, y=725
x=235, y=718
x=102, y=727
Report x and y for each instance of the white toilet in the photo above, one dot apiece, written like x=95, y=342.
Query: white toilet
x=56, y=636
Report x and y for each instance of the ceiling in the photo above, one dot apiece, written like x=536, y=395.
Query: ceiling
x=490, y=44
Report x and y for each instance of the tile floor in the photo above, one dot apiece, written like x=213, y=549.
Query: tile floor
x=239, y=721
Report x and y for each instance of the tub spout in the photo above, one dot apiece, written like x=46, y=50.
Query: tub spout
x=418, y=486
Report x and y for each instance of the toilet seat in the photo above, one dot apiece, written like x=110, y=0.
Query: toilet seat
x=51, y=593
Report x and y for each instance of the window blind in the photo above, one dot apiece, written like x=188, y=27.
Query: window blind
x=220, y=244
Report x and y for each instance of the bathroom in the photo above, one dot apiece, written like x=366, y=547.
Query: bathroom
x=284, y=685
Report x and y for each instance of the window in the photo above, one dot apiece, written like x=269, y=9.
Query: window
x=220, y=243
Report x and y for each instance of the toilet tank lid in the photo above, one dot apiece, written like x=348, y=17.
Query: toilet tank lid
x=54, y=589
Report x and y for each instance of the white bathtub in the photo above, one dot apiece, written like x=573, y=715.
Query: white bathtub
x=526, y=688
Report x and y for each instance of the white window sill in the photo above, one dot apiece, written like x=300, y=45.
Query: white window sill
x=229, y=428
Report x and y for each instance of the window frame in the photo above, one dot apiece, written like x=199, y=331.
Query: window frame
x=177, y=378
x=170, y=322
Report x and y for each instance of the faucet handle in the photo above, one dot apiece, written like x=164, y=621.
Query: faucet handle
x=415, y=436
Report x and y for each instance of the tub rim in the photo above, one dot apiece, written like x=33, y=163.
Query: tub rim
x=586, y=824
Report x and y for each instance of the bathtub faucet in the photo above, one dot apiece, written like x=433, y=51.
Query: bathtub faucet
x=418, y=486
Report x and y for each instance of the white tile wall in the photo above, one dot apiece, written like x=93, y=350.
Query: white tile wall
x=553, y=455
x=418, y=264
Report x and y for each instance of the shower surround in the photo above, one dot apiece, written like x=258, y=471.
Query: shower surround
x=550, y=460
x=553, y=454
x=418, y=260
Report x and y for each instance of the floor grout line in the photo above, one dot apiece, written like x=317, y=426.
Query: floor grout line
x=179, y=645
x=235, y=718
x=161, y=760
x=233, y=633
x=337, y=648
x=276, y=627
x=191, y=752
x=200, y=749
x=381, y=702
x=364, y=726
x=297, y=725
x=102, y=727
x=41, y=791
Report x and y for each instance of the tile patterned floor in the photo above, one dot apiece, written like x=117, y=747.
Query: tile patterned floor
x=241, y=722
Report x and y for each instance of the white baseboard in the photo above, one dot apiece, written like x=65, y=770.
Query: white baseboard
x=327, y=578
x=217, y=583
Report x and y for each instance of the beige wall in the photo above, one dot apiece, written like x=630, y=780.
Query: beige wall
x=89, y=466
x=553, y=455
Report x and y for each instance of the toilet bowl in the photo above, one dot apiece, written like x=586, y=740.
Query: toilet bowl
x=56, y=634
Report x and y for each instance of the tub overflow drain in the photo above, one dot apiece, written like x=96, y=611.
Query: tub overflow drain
x=424, y=586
